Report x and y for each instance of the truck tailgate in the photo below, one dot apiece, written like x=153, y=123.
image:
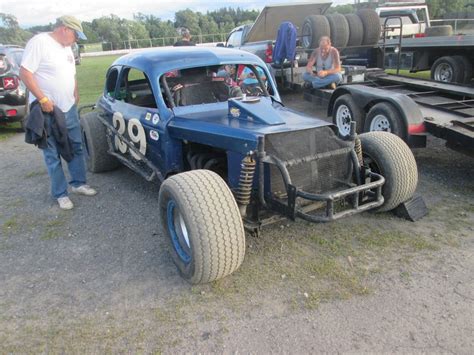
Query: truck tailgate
x=267, y=23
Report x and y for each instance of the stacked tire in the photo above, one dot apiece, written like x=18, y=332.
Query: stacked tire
x=361, y=28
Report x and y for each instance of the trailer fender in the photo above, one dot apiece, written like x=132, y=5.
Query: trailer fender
x=366, y=97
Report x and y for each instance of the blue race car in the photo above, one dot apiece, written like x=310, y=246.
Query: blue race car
x=230, y=157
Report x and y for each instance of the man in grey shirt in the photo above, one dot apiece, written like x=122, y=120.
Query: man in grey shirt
x=328, y=66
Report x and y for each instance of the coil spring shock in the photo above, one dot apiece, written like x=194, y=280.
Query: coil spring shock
x=244, y=190
x=358, y=150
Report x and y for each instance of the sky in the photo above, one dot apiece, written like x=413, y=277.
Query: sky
x=42, y=12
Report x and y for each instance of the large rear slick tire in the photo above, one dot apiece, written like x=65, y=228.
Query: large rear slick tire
x=356, y=30
x=388, y=155
x=339, y=30
x=95, y=144
x=201, y=220
x=314, y=27
x=371, y=22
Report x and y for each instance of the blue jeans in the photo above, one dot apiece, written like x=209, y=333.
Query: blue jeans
x=76, y=167
x=318, y=82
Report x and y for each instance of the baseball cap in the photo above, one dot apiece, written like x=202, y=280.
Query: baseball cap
x=74, y=24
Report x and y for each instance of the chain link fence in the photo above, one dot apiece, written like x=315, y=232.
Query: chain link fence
x=149, y=42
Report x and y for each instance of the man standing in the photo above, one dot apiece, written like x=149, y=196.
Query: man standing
x=328, y=66
x=185, y=39
x=49, y=72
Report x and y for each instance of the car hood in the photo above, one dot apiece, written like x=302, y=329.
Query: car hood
x=237, y=125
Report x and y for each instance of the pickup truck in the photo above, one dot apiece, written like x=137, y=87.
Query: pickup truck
x=414, y=16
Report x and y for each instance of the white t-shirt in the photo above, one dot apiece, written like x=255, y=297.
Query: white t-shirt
x=54, y=69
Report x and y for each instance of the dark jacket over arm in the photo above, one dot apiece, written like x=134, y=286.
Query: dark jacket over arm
x=37, y=130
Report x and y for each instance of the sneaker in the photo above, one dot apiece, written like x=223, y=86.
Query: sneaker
x=65, y=203
x=332, y=86
x=84, y=190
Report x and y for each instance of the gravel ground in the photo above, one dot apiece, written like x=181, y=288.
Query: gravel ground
x=99, y=278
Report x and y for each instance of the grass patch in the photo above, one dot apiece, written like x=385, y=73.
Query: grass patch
x=420, y=75
x=52, y=229
x=8, y=130
x=10, y=225
x=91, y=77
x=32, y=174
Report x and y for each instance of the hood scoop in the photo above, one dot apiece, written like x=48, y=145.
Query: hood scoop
x=256, y=109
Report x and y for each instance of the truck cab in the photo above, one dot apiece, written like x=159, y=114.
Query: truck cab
x=414, y=16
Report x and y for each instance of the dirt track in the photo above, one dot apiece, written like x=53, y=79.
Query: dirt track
x=99, y=278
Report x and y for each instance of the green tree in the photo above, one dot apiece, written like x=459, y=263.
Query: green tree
x=438, y=8
x=189, y=19
x=10, y=31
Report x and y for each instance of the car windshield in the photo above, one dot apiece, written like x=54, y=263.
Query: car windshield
x=211, y=84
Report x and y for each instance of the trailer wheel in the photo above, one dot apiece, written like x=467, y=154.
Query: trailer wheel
x=356, y=30
x=314, y=27
x=346, y=110
x=384, y=117
x=466, y=68
x=371, y=22
x=200, y=217
x=389, y=156
x=95, y=145
x=448, y=70
x=435, y=31
x=339, y=30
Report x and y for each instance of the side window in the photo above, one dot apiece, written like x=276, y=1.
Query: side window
x=135, y=89
x=421, y=14
x=235, y=39
x=111, y=82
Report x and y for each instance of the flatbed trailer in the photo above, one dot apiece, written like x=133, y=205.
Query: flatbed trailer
x=408, y=107
x=449, y=58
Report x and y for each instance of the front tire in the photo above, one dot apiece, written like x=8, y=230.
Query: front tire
x=95, y=144
x=389, y=156
x=201, y=219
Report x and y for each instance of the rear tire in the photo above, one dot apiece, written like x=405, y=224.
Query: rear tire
x=356, y=30
x=371, y=22
x=466, y=68
x=389, y=156
x=384, y=117
x=339, y=30
x=95, y=145
x=201, y=219
x=346, y=110
x=447, y=69
x=314, y=27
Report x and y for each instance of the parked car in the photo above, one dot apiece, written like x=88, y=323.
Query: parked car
x=13, y=93
x=76, y=50
x=228, y=161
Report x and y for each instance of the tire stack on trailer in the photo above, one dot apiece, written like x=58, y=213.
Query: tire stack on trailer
x=361, y=28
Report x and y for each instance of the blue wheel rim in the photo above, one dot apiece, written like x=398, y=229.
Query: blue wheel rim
x=178, y=232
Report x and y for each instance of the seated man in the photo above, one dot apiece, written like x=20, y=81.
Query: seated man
x=249, y=82
x=328, y=66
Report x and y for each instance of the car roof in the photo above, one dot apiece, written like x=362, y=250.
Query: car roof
x=9, y=48
x=161, y=60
